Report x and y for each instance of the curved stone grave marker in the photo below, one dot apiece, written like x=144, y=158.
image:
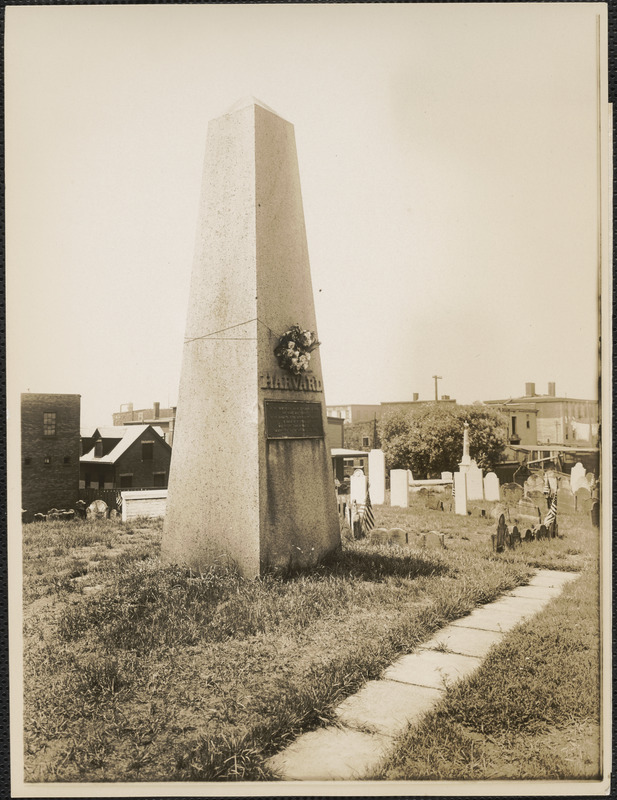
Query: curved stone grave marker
x=565, y=501
x=511, y=493
x=97, y=510
x=582, y=500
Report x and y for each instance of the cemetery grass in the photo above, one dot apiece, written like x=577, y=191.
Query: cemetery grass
x=134, y=671
x=531, y=711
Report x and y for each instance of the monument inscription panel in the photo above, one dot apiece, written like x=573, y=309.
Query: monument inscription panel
x=293, y=420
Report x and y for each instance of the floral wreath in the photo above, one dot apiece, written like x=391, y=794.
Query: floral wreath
x=294, y=349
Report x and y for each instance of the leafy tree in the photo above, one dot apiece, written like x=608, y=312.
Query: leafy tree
x=429, y=440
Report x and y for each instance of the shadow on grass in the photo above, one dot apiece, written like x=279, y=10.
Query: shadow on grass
x=371, y=565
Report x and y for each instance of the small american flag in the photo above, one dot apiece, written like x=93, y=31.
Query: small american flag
x=368, y=519
x=552, y=512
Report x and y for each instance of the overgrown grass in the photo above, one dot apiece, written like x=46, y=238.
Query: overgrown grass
x=144, y=672
x=532, y=711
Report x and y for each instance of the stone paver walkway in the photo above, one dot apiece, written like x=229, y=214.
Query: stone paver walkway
x=369, y=721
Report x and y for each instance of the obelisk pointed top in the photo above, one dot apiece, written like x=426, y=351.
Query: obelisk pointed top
x=249, y=101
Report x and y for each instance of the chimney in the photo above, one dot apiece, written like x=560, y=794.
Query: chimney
x=551, y=390
x=530, y=389
x=416, y=397
x=157, y=408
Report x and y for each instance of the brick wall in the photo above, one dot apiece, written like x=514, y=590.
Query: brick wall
x=54, y=484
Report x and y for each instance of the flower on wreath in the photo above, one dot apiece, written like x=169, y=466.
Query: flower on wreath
x=294, y=349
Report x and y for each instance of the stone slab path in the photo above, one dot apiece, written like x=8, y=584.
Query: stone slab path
x=370, y=720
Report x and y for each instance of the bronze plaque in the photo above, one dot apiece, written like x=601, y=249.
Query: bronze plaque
x=291, y=420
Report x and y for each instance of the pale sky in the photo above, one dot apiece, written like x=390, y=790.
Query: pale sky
x=448, y=161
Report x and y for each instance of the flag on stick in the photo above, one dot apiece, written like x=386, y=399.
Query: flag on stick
x=368, y=519
x=552, y=512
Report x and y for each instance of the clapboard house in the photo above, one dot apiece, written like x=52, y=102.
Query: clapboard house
x=124, y=457
x=49, y=452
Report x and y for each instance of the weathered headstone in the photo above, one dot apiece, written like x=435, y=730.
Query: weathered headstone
x=357, y=487
x=460, y=494
x=539, y=499
x=433, y=502
x=595, y=513
x=499, y=538
x=399, y=489
x=97, y=510
x=491, y=487
x=377, y=477
x=515, y=537
x=446, y=476
x=552, y=480
x=475, y=482
x=251, y=478
x=409, y=476
x=565, y=501
x=434, y=540
x=577, y=477
x=378, y=536
x=511, y=493
x=582, y=500
x=397, y=536
x=528, y=511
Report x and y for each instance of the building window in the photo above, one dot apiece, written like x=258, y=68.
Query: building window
x=147, y=451
x=47, y=460
x=98, y=449
x=528, y=423
x=365, y=441
x=158, y=479
x=27, y=461
x=126, y=481
x=49, y=423
x=67, y=460
x=513, y=426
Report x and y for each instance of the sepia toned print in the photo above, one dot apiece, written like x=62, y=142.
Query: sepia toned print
x=308, y=307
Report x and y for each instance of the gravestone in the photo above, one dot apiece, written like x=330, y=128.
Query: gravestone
x=399, y=489
x=499, y=538
x=565, y=501
x=446, y=476
x=529, y=537
x=397, y=536
x=539, y=499
x=491, y=487
x=357, y=487
x=434, y=540
x=564, y=483
x=475, y=482
x=97, y=510
x=577, y=477
x=80, y=509
x=582, y=500
x=528, y=511
x=378, y=536
x=460, y=494
x=409, y=476
x=250, y=480
x=511, y=493
x=377, y=477
x=595, y=513
x=515, y=537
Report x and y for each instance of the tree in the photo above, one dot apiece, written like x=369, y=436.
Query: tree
x=429, y=440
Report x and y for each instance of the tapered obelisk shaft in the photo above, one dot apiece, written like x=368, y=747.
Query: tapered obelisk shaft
x=251, y=481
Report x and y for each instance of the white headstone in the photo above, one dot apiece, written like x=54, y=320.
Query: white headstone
x=399, y=488
x=475, y=484
x=577, y=477
x=446, y=476
x=460, y=494
x=377, y=476
x=465, y=460
x=491, y=487
x=357, y=487
x=409, y=476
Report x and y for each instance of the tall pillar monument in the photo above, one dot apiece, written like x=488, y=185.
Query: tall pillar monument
x=251, y=481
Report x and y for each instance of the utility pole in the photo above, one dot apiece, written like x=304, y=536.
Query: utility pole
x=437, y=378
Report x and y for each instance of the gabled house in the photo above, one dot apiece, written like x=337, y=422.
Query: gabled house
x=124, y=457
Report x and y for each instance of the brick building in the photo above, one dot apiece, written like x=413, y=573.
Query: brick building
x=124, y=457
x=164, y=418
x=50, y=449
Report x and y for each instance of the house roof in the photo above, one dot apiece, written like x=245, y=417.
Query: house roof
x=561, y=448
x=129, y=434
x=540, y=398
x=342, y=451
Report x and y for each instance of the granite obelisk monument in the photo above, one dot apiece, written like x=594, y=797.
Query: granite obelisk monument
x=251, y=481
